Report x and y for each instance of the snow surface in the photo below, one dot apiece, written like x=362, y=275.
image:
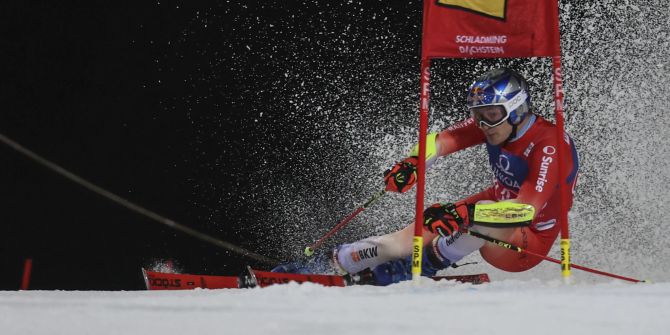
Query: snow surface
x=506, y=307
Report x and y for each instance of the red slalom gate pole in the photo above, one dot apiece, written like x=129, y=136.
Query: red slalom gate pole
x=563, y=153
x=417, y=241
x=27, y=269
x=510, y=246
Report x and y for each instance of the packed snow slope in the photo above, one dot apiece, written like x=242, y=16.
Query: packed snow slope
x=503, y=307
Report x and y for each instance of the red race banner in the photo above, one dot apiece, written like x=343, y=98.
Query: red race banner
x=490, y=28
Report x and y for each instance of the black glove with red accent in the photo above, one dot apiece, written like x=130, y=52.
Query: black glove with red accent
x=402, y=176
x=446, y=219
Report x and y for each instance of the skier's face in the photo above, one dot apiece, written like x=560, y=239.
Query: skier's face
x=490, y=116
x=492, y=120
x=498, y=134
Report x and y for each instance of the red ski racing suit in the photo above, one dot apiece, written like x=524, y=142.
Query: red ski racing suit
x=525, y=168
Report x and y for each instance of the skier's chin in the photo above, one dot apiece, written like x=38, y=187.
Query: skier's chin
x=494, y=139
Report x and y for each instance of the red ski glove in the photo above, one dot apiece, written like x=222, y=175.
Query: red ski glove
x=402, y=176
x=448, y=218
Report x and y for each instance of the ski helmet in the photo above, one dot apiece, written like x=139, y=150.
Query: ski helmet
x=501, y=87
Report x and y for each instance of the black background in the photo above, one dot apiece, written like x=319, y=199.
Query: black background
x=124, y=95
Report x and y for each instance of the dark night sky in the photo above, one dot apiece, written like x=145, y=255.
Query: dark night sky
x=95, y=87
x=79, y=87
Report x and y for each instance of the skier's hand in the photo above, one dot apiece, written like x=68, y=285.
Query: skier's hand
x=446, y=219
x=402, y=176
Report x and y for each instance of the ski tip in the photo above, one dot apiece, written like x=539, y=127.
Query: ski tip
x=146, y=278
x=247, y=278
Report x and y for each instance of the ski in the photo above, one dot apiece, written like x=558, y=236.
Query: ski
x=257, y=278
x=179, y=281
x=266, y=278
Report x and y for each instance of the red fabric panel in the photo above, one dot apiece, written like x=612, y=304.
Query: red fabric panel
x=461, y=29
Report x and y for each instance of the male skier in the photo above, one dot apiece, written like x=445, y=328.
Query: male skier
x=522, y=150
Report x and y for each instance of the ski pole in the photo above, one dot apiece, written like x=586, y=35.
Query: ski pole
x=132, y=206
x=513, y=247
x=309, y=250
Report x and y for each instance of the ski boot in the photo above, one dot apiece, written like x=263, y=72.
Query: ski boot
x=400, y=269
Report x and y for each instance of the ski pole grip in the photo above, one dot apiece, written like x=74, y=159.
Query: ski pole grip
x=309, y=251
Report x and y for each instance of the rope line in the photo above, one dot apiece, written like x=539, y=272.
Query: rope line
x=133, y=207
